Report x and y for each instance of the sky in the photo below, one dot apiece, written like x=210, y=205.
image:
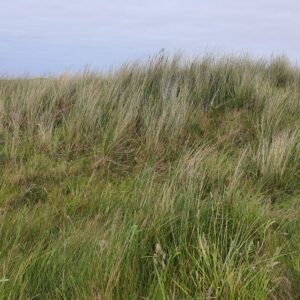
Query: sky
x=38, y=37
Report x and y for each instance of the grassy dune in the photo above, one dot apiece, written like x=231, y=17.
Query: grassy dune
x=170, y=179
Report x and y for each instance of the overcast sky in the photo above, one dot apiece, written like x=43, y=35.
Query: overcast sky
x=42, y=36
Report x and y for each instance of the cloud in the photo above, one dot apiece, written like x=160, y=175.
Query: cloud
x=44, y=36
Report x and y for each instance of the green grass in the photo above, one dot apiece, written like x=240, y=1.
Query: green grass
x=171, y=179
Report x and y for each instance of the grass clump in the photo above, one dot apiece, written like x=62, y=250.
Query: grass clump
x=170, y=179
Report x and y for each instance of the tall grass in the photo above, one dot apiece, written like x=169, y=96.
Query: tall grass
x=169, y=179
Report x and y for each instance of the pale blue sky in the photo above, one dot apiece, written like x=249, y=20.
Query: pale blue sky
x=38, y=36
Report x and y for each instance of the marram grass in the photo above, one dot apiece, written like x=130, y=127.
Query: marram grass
x=171, y=179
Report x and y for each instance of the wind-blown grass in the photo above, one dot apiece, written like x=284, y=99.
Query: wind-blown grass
x=171, y=179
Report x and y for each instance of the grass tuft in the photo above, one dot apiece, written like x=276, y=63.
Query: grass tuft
x=168, y=179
